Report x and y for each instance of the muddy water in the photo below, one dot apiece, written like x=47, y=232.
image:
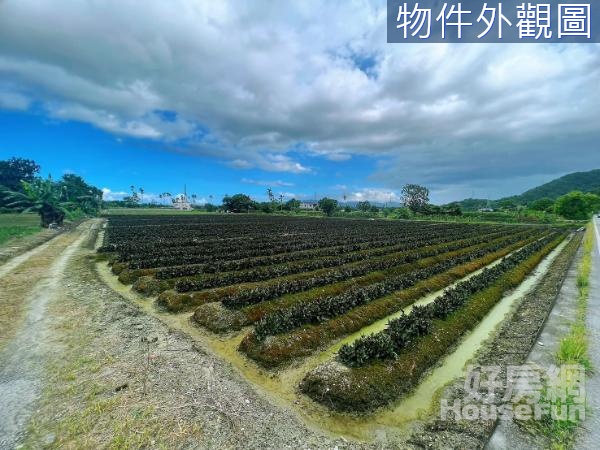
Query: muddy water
x=280, y=387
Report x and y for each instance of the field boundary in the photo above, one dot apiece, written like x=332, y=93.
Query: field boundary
x=511, y=345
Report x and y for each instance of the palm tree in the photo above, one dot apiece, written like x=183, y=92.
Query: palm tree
x=194, y=196
x=142, y=194
x=42, y=197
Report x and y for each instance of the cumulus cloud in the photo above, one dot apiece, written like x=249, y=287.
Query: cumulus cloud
x=14, y=101
x=110, y=195
x=267, y=183
x=374, y=195
x=255, y=83
x=148, y=197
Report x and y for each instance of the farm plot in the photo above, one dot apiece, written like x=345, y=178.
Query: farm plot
x=289, y=288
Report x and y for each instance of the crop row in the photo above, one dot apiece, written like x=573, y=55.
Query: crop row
x=395, y=254
x=281, y=348
x=404, y=330
x=376, y=248
x=326, y=308
x=202, y=253
x=278, y=287
x=247, y=255
x=193, y=242
x=140, y=239
x=219, y=319
x=379, y=381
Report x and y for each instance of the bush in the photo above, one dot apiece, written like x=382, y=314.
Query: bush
x=576, y=205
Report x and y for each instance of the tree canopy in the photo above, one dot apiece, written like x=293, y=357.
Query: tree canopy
x=238, y=203
x=15, y=170
x=542, y=204
x=22, y=190
x=415, y=197
x=42, y=197
x=74, y=189
x=577, y=205
x=328, y=205
x=364, y=206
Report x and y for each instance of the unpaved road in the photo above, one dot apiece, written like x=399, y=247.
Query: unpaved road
x=39, y=272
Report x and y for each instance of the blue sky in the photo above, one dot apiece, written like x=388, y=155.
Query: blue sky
x=115, y=163
x=308, y=99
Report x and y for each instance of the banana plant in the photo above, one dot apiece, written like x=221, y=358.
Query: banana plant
x=40, y=196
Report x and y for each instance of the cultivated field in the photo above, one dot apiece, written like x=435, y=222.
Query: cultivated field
x=285, y=290
x=15, y=225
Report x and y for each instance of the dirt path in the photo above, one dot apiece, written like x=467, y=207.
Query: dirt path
x=20, y=371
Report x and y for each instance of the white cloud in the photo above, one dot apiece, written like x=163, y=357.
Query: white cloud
x=14, y=101
x=267, y=183
x=282, y=163
x=374, y=195
x=110, y=195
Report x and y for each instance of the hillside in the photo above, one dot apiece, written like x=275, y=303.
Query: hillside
x=576, y=181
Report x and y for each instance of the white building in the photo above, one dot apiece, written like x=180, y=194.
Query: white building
x=308, y=204
x=182, y=203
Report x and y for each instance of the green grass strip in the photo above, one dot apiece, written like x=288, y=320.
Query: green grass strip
x=573, y=349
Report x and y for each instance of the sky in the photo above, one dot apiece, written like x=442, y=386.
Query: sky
x=305, y=97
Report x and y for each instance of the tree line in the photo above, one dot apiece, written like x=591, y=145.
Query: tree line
x=415, y=200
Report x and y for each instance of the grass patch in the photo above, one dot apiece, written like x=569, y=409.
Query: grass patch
x=572, y=350
x=81, y=408
x=18, y=225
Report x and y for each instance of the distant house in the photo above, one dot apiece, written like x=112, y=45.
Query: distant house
x=182, y=203
x=308, y=205
x=486, y=210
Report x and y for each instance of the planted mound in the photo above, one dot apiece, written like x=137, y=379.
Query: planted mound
x=401, y=355
x=174, y=247
x=324, y=309
x=275, y=350
x=372, y=259
x=375, y=248
x=283, y=286
x=261, y=310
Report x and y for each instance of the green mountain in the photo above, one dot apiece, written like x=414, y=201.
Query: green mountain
x=577, y=181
